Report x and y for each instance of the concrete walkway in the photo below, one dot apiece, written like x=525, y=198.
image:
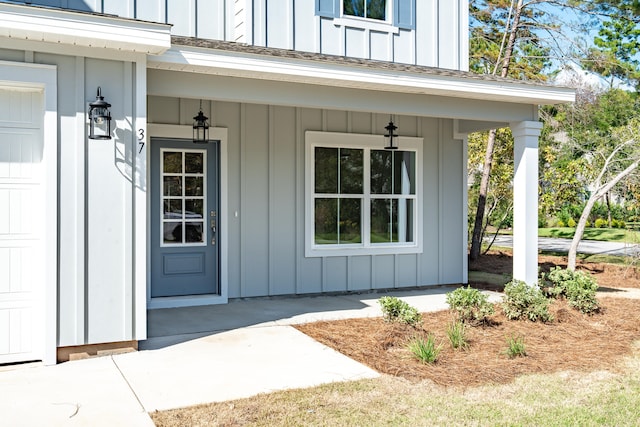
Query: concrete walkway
x=196, y=355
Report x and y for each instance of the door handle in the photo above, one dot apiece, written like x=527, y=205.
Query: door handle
x=212, y=224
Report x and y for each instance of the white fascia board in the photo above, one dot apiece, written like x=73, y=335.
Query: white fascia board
x=234, y=64
x=83, y=29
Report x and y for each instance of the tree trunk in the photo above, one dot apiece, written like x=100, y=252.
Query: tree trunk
x=601, y=191
x=608, y=200
x=476, y=238
x=577, y=237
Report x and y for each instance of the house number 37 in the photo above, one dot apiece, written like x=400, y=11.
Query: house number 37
x=140, y=140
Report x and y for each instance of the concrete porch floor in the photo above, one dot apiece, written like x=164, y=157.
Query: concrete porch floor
x=174, y=325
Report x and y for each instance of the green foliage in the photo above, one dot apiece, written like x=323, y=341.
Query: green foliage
x=522, y=301
x=618, y=223
x=470, y=304
x=425, y=350
x=601, y=223
x=515, y=347
x=571, y=223
x=456, y=335
x=578, y=287
x=396, y=310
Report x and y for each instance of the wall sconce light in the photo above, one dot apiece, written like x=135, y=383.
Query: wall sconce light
x=99, y=118
x=200, y=128
x=390, y=135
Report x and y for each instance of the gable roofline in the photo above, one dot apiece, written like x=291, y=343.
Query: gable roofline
x=240, y=60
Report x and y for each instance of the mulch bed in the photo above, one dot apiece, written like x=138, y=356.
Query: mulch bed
x=572, y=342
x=607, y=275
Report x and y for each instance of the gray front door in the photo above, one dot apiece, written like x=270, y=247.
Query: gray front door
x=184, y=218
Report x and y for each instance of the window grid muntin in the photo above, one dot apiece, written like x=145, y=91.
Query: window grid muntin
x=184, y=221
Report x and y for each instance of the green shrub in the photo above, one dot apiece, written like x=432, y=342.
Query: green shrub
x=571, y=223
x=456, y=335
x=577, y=286
x=396, y=310
x=618, y=223
x=522, y=301
x=564, y=215
x=560, y=224
x=515, y=347
x=470, y=304
x=425, y=350
x=542, y=221
x=601, y=223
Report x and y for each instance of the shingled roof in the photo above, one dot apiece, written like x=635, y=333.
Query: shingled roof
x=370, y=64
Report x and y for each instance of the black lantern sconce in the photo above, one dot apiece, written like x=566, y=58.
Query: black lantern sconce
x=200, y=128
x=99, y=118
x=390, y=135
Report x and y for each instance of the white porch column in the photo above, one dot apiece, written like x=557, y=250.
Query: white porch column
x=525, y=201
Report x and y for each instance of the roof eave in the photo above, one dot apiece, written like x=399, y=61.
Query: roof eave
x=318, y=72
x=74, y=28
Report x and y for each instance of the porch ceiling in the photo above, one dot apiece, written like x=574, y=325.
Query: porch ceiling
x=251, y=62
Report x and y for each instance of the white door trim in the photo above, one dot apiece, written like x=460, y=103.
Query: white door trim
x=186, y=132
x=44, y=78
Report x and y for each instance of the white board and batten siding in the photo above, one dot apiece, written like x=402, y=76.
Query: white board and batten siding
x=266, y=200
x=22, y=233
x=421, y=32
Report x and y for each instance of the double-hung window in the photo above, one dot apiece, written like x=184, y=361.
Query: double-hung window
x=361, y=198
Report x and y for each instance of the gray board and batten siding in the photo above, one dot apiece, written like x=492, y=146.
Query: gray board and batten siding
x=266, y=185
x=98, y=185
x=424, y=32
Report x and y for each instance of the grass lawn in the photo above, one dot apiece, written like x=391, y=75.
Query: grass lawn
x=566, y=399
x=601, y=234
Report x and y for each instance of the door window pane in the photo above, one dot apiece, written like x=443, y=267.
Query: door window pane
x=172, y=162
x=194, y=186
x=173, y=209
x=193, y=232
x=172, y=186
x=172, y=232
x=193, y=162
x=193, y=208
x=326, y=168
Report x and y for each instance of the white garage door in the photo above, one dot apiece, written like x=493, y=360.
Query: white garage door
x=22, y=215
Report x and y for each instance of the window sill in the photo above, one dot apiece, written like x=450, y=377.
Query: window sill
x=366, y=24
x=322, y=252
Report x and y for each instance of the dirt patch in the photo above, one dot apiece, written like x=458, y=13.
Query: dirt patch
x=572, y=342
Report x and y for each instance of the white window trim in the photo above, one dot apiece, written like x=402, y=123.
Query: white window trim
x=385, y=26
x=364, y=141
